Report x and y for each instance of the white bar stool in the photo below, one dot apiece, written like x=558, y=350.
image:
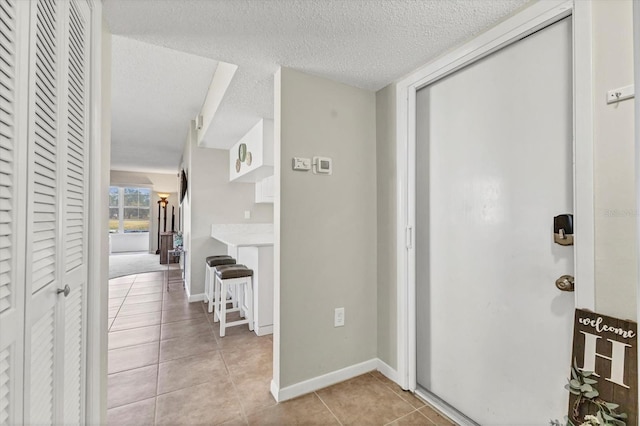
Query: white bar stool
x=211, y=263
x=238, y=280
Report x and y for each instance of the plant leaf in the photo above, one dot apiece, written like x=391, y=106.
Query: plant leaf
x=611, y=405
x=574, y=374
x=592, y=394
x=586, y=388
x=586, y=373
x=590, y=381
x=575, y=384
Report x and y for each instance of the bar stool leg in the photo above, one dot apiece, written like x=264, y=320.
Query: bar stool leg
x=211, y=283
x=216, y=299
x=248, y=287
x=223, y=309
x=207, y=293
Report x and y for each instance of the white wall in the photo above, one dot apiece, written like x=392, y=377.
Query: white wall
x=386, y=174
x=327, y=227
x=185, y=208
x=259, y=145
x=615, y=200
x=212, y=199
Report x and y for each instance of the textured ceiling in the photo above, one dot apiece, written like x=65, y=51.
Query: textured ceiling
x=363, y=43
x=155, y=92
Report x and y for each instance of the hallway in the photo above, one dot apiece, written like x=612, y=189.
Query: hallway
x=167, y=365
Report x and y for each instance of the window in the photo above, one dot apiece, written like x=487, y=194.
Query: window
x=114, y=210
x=129, y=209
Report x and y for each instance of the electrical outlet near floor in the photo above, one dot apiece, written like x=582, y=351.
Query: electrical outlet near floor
x=338, y=317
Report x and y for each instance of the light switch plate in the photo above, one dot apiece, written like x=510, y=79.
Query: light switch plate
x=303, y=164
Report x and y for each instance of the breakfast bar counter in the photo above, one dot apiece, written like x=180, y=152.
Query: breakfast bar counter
x=252, y=245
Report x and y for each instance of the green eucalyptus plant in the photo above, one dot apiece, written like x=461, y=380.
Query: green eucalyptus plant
x=582, y=385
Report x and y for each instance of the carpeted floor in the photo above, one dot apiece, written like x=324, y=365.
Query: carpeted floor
x=135, y=263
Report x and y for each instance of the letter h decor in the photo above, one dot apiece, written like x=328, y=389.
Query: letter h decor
x=607, y=347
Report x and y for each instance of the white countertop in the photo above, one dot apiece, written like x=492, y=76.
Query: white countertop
x=239, y=235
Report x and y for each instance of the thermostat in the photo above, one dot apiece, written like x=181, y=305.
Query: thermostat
x=322, y=165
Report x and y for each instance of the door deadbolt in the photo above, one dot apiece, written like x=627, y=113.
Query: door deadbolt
x=66, y=290
x=563, y=229
x=566, y=283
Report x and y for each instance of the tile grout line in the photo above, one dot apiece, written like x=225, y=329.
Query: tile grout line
x=330, y=410
x=408, y=414
x=210, y=328
x=389, y=386
x=119, y=307
x=155, y=401
x=245, y=417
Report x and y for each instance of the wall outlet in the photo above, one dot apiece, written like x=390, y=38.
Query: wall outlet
x=247, y=214
x=338, y=317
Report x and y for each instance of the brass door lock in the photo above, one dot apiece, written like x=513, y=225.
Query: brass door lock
x=566, y=283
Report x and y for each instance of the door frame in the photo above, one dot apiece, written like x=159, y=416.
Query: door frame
x=98, y=243
x=523, y=23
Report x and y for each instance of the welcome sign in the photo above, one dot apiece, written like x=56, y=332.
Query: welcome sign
x=604, y=374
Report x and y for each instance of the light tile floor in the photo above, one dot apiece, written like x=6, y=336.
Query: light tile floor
x=168, y=365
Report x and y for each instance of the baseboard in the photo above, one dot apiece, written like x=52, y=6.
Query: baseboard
x=264, y=330
x=195, y=297
x=387, y=371
x=274, y=390
x=323, y=381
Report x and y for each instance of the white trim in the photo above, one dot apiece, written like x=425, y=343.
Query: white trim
x=277, y=171
x=531, y=19
x=312, y=385
x=263, y=330
x=198, y=297
x=97, y=291
x=275, y=392
x=583, y=157
x=636, y=64
x=444, y=408
x=387, y=371
x=219, y=85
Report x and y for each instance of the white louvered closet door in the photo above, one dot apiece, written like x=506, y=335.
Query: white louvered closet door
x=42, y=328
x=56, y=219
x=13, y=89
x=75, y=177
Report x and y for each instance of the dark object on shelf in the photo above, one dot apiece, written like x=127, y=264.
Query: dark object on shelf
x=162, y=202
x=166, y=244
x=183, y=185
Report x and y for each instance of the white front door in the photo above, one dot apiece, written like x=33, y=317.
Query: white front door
x=493, y=167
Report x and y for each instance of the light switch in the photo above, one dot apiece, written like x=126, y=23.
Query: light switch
x=303, y=164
